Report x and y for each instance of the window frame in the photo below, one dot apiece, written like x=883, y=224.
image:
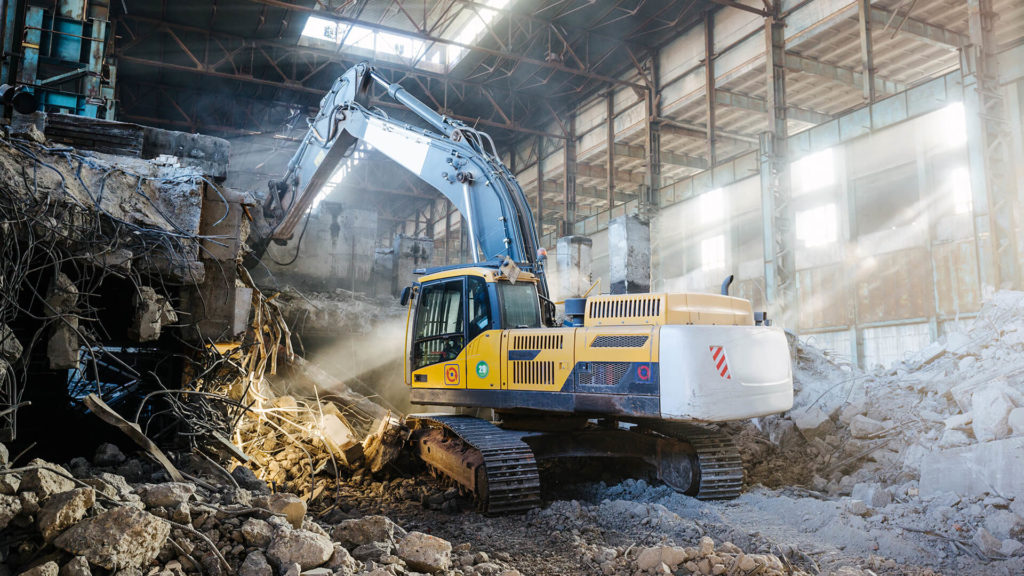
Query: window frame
x=501, y=304
x=420, y=307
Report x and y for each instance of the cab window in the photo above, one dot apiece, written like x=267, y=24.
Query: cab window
x=439, y=335
x=520, y=305
x=479, y=306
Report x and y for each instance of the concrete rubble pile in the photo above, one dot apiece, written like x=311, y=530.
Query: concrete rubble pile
x=115, y=515
x=936, y=441
x=950, y=417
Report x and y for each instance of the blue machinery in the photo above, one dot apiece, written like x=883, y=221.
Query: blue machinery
x=58, y=50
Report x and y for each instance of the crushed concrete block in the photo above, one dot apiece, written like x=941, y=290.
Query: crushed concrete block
x=1004, y=524
x=10, y=347
x=45, y=481
x=1015, y=420
x=961, y=422
x=63, y=510
x=152, y=312
x=77, y=566
x=425, y=553
x=987, y=543
x=863, y=427
x=166, y=495
x=857, y=508
x=958, y=343
x=975, y=470
x=954, y=438
x=874, y=495
x=46, y=569
x=257, y=532
x=255, y=564
x=62, y=347
x=991, y=408
x=356, y=532
x=9, y=484
x=10, y=506
x=120, y=538
x=1012, y=547
x=293, y=507
x=302, y=547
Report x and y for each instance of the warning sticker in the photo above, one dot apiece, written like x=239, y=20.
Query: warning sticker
x=451, y=374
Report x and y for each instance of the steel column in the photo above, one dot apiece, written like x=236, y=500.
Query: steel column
x=540, y=187
x=569, y=178
x=866, y=55
x=610, y=152
x=709, y=83
x=652, y=183
x=777, y=210
x=989, y=153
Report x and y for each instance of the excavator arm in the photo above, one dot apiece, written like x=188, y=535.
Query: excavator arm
x=457, y=160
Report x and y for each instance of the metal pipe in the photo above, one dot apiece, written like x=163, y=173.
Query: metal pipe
x=411, y=102
x=470, y=228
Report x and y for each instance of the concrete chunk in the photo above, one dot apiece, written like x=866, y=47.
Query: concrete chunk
x=975, y=470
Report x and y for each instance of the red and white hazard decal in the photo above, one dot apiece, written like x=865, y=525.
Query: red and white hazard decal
x=721, y=364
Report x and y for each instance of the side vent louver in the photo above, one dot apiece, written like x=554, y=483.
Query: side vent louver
x=537, y=342
x=630, y=341
x=531, y=372
x=625, y=308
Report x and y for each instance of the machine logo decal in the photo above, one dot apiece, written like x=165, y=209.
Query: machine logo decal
x=451, y=374
x=721, y=364
x=482, y=370
x=643, y=372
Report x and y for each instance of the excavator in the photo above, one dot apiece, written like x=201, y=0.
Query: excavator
x=643, y=377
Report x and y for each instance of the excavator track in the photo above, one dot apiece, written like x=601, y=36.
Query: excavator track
x=502, y=472
x=719, y=465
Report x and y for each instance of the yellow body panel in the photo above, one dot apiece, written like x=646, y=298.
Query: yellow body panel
x=586, y=351
x=548, y=369
x=663, y=309
x=447, y=374
x=484, y=361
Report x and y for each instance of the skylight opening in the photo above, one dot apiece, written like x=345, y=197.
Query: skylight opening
x=407, y=48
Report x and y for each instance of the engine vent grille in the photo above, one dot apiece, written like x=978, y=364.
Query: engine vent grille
x=630, y=341
x=604, y=374
x=532, y=372
x=625, y=308
x=537, y=342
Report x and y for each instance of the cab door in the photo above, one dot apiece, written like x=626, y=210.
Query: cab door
x=483, y=355
x=438, y=358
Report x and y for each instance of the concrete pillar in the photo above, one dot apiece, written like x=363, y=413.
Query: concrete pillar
x=411, y=252
x=573, y=266
x=629, y=255
x=989, y=153
x=776, y=206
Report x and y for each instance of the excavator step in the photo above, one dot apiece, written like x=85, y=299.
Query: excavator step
x=503, y=474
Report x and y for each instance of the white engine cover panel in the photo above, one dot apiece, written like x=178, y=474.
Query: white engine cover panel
x=755, y=379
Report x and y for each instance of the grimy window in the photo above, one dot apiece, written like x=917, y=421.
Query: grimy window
x=439, y=334
x=520, y=305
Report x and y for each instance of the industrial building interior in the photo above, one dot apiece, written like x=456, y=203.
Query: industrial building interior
x=511, y=287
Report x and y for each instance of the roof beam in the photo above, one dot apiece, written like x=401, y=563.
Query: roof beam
x=554, y=188
x=667, y=157
x=755, y=104
x=740, y=6
x=797, y=63
x=426, y=37
x=930, y=33
x=601, y=171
